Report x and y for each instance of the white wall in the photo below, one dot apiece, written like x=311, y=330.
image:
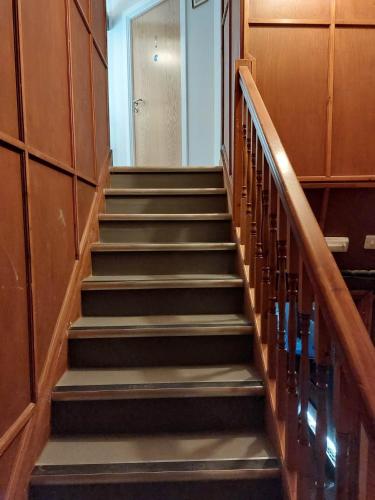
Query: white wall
x=203, y=55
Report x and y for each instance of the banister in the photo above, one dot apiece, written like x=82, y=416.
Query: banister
x=329, y=287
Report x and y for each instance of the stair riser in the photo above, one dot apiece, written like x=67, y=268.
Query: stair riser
x=149, y=416
x=181, y=231
x=161, y=263
x=160, y=351
x=166, y=204
x=167, y=180
x=216, y=490
x=162, y=301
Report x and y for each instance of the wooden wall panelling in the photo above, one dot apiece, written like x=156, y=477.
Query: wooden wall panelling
x=86, y=194
x=46, y=85
x=99, y=23
x=82, y=95
x=289, y=9
x=15, y=369
x=295, y=92
x=355, y=10
x=85, y=6
x=354, y=102
x=101, y=109
x=6, y=463
x=52, y=248
x=8, y=76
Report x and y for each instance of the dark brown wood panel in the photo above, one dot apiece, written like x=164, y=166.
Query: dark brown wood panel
x=99, y=23
x=101, y=110
x=8, y=78
x=85, y=199
x=289, y=9
x=14, y=353
x=46, y=77
x=354, y=102
x=295, y=93
x=83, y=115
x=52, y=247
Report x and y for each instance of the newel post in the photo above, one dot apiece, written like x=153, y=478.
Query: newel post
x=238, y=165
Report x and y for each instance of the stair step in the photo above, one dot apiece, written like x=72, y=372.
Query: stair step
x=158, y=399
x=124, y=348
x=138, y=460
x=164, y=281
x=155, y=228
x=184, y=259
x=181, y=177
x=156, y=201
x=164, y=324
x=128, y=298
x=166, y=382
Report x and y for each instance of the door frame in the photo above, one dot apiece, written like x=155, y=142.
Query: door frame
x=129, y=15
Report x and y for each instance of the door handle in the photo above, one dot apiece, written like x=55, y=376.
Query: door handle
x=136, y=105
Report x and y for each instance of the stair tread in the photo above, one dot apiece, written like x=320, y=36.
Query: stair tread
x=74, y=451
x=232, y=375
x=199, y=320
x=168, y=281
x=158, y=217
x=164, y=191
x=151, y=247
x=176, y=169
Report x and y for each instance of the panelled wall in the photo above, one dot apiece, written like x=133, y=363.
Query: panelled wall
x=53, y=148
x=315, y=68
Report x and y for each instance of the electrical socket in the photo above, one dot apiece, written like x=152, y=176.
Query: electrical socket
x=370, y=242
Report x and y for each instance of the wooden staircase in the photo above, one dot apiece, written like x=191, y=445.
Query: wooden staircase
x=162, y=399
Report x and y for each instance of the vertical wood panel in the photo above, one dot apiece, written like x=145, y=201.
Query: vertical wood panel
x=14, y=348
x=295, y=93
x=6, y=463
x=289, y=9
x=99, y=23
x=101, y=109
x=46, y=77
x=53, y=248
x=85, y=198
x=82, y=97
x=85, y=5
x=8, y=79
x=354, y=102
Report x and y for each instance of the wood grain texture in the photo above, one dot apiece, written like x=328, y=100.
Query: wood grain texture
x=8, y=77
x=355, y=10
x=354, y=103
x=85, y=6
x=15, y=383
x=289, y=9
x=83, y=116
x=101, y=110
x=283, y=78
x=99, y=23
x=85, y=197
x=52, y=248
x=157, y=125
x=46, y=77
x=6, y=462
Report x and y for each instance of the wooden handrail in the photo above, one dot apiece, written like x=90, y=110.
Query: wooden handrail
x=328, y=285
x=298, y=295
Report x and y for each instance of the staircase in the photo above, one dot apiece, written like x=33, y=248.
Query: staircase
x=161, y=400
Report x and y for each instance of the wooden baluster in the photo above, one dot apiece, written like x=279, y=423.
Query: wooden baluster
x=266, y=278
x=256, y=150
x=272, y=262
x=291, y=437
x=322, y=348
x=281, y=299
x=250, y=146
x=346, y=406
x=259, y=228
x=305, y=302
x=244, y=172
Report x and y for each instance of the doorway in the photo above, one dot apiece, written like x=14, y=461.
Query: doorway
x=156, y=67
